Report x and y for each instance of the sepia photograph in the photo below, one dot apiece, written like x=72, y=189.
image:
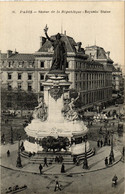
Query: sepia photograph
x=62, y=97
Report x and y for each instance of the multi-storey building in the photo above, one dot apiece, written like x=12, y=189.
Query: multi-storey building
x=18, y=70
x=92, y=77
x=117, y=79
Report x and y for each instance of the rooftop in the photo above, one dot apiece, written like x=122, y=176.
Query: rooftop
x=18, y=57
x=69, y=41
x=101, y=53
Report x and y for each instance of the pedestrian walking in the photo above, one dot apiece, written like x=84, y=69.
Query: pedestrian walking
x=123, y=151
x=62, y=168
x=114, y=180
x=101, y=143
x=57, y=186
x=8, y=153
x=74, y=159
x=61, y=159
x=56, y=159
x=106, y=161
x=40, y=168
x=45, y=162
x=109, y=142
x=110, y=160
x=98, y=143
x=77, y=161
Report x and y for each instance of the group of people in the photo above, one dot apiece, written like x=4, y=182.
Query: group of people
x=45, y=164
x=59, y=159
x=101, y=143
x=108, y=161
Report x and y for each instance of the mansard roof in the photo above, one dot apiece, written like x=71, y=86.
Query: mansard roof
x=69, y=41
x=18, y=57
x=101, y=53
x=3, y=56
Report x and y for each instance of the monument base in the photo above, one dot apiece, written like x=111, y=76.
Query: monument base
x=75, y=149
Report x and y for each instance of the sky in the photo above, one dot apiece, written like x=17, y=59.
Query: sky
x=100, y=23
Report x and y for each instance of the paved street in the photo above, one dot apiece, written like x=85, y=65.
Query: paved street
x=98, y=179
x=88, y=183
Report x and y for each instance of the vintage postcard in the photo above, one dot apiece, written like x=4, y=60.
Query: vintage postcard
x=62, y=97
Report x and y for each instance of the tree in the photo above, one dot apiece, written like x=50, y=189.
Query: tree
x=16, y=99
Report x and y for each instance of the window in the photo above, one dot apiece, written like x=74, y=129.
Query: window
x=29, y=76
x=76, y=76
x=19, y=75
x=29, y=87
x=9, y=98
x=41, y=87
x=42, y=64
x=41, y=76
x=67, y=65
x=9, y=64
x=19, y=86
x=9, y=76
x=9, y=86
x=9, y=104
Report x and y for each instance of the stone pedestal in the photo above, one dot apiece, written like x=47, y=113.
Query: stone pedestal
x=55, y=88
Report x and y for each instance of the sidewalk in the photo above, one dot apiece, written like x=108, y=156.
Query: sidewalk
x=95, y=163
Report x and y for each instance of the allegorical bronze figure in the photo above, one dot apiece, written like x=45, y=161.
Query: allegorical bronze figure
x=60, y=54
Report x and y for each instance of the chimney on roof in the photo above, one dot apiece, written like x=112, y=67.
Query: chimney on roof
x=42, y=41
x=65, y=32
x=108, y=54
x=16, y=52
x=9, y=53
x=79, y=44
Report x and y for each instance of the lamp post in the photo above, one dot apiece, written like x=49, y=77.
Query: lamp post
x=112, y=153
x=106, y=135
x=18, y=164
x=85, y=163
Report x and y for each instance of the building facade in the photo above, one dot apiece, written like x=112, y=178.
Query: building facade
x=117, y=79
x=89, y=72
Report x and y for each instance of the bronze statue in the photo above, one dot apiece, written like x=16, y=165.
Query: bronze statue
x=59, y=57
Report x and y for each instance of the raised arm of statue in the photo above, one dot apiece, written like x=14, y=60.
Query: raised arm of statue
x=39, y=106
x=45, y=30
